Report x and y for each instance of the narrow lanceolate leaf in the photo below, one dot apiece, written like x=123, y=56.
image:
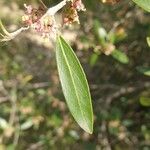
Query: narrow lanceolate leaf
x=120, y=56
x=74, y=85
x=145, y=4
x=144, y=70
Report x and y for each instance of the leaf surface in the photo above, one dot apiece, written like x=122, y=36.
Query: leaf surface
x=145, y=4
x=74, y=85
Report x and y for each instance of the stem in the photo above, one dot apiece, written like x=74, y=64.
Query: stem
x=12, y=35
x=52, y=11
x=15, y=33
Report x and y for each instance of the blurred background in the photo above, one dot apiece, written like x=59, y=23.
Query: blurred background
x=110, y=43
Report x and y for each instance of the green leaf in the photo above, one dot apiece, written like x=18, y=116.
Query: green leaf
x=120, y=56
x=26, y=125
x=100, y=32
x=148, y=41
x=144, y=70
x=3, y=123
x=145, y=101
x=145, y=4
x=93, y=59
x=74, y=85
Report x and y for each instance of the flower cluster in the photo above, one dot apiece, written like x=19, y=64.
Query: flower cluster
x=42, y=19
x=32, y=15
x=70, y=14
x=44, y=25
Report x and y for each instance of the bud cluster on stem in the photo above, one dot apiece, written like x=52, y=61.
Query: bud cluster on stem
x=42, y=19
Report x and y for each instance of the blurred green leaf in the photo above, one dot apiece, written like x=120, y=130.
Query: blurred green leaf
x=55, y=120
x=41, y=91
x=120, y=56
x=100, y=32
x=93, y=59
x=3, y=123
x=74, y=85
x=144, y=70
x=116, y=113
x=145, y=101
x=127, y=122
x=26, y=125
x=115, y=36
x=74, y=134
x=146, y=132
x=10, y=147
x=112, y=37
x=148, y=41
x=145, y=4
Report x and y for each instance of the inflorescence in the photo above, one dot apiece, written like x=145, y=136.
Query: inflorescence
x=42, y=19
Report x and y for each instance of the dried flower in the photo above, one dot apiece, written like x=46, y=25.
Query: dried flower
x=44, y=25
x=77, y=4
x=70, y=14
x=108, y=49
x=32, y=15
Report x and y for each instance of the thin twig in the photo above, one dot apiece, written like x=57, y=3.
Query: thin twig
x=126, y=90
x=43, y=4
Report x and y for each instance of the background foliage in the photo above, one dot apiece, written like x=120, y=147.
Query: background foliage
x=33, y=112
